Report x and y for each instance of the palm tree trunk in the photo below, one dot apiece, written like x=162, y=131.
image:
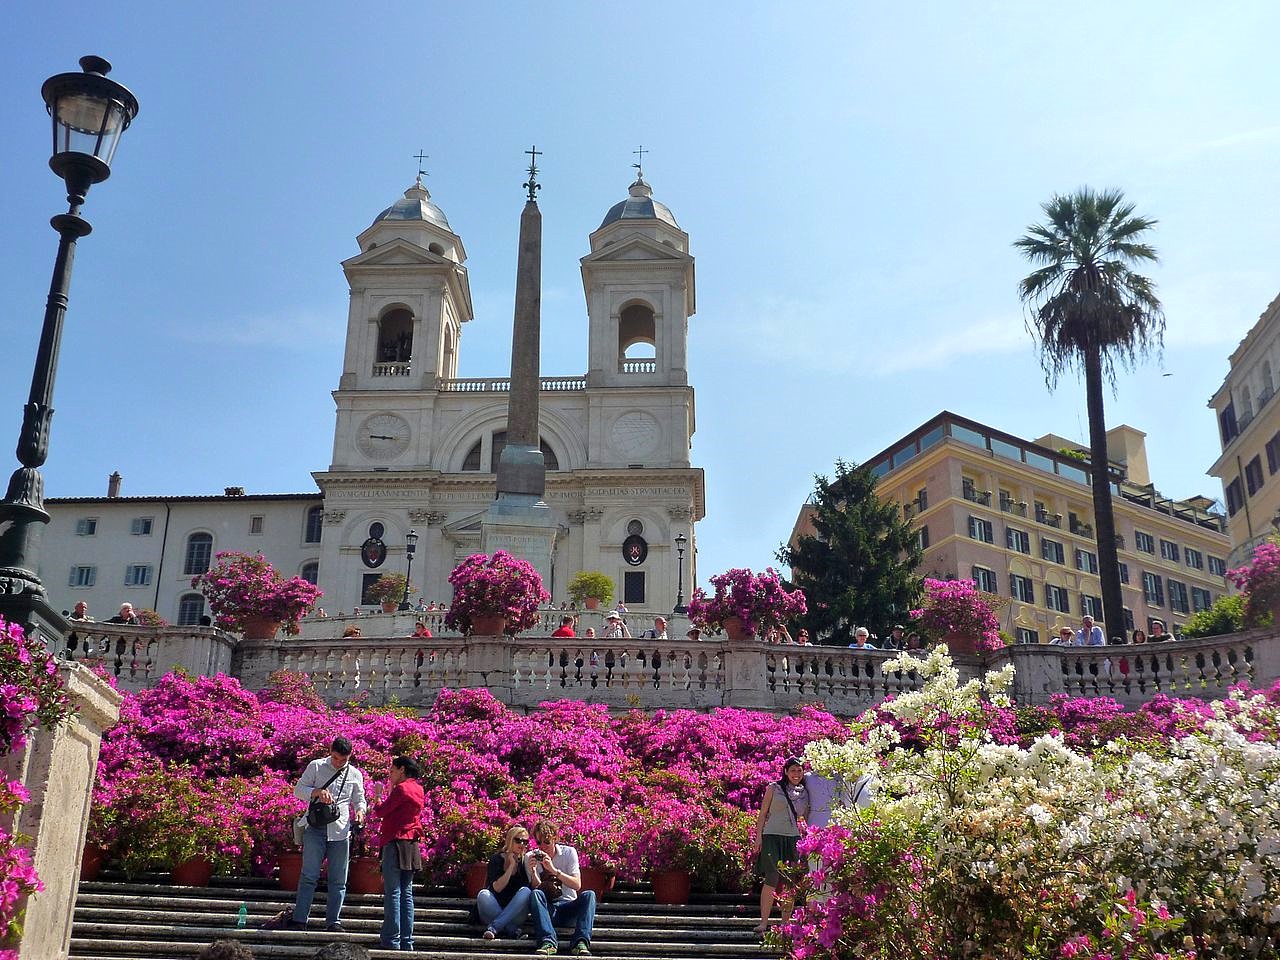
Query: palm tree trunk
x=1103, y=518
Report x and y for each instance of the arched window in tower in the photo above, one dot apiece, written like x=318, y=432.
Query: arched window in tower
x=449, y=368
x=472, y=461
x=395, y=343
x=1268, y=385
x=637, y=339
x=314, y=525
x=1246, y=403
x=500, y=441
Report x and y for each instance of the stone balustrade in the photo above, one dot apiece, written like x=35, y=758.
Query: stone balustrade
x=653, y=674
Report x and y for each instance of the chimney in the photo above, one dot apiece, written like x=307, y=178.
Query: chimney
x=113, y=485
x=233, y=491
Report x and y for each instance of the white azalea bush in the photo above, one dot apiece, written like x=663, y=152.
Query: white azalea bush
x=986, y=840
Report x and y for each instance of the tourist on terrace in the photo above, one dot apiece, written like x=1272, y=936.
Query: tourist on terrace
x=659, y=631
x=694, y=634
x=1157, y=632
x=352, y=633
x=782, y=811
x=590, y=634
x=861, y=640
x=1139, y=635
x=1066, y=637
x=1090, y=634
x=913, y=642
x=566, y=627
x=614, y=628
x=400, y=812
x=555, y=865
x=802, y=637
x=126, y=615
x=331, y=780
x=80, y=613
x=503, y=904
x=897, y=638
x=420, y=630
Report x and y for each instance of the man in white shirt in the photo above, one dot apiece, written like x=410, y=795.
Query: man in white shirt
x=659, y=631
x=614, y=628
x=1089, y=634
x=575, y=905
x=335, y=780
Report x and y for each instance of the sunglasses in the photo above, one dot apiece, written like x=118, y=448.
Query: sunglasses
x=519, y=839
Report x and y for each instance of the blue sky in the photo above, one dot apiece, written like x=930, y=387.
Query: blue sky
x=851, y=177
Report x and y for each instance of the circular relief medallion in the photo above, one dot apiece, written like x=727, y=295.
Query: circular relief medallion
x=635, y=434
x=383, y=436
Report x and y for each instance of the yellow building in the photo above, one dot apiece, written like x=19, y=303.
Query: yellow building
x=1249, y=426
x=1017, y=517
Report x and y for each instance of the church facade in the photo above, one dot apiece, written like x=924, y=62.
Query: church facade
x=416, y=447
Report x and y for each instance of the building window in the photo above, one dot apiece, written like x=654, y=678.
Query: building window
x=1022, y=588
x=1028, y=636
x=1217, y=566
x=1018, y=540
x=1227, y=424
x=256, y=524
x=1195, y=559
x=1052, y=550
x=985, y=580
x=1153, y=589
x=1124, y=573
x=1169, y=550
x=499, y=442
x=1253, y=478
x=137, y=575
x=315, y=521
x=311, y=571
x=633, y=586
x=1235, y=497
x=981, y=530
x=1178, y=597
x=922, y=499
x=1144, y=541
x=86, y=526
x=922, y=537
x=1273, y=454
x=190, y=609
x=1128, y=619
x=1086, y=561
x=141, y=526
x=1057, y=598
x=1090, y=606
x=84, y=575
x=366, y=583
x=472, y=460
x=199, y=553
x=1200, y=599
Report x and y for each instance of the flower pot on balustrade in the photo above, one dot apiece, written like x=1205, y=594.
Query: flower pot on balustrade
x=672, y=886
x=92, y=861
x=192, y=872
x=259, y=628
x=488, y=625
x=961, y=643
x=364, y=875
x=735, y=629
x=592, y=603
x=594, y=878
x=476, y=877
x=290, y=870
x=390, y=606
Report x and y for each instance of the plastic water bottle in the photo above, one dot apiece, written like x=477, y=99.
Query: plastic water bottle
x=243, y=916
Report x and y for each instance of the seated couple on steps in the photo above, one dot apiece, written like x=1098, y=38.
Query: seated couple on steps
x=537, y=878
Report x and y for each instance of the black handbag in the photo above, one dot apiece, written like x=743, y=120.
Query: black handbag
x=321, y=814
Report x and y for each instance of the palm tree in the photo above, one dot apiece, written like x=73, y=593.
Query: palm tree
x=1087, y=306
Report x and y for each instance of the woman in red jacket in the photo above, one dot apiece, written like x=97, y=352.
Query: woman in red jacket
x=400, y=812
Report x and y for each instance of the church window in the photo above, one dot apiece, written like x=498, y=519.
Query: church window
x=637, y=333
x=311, y=571
x=500, y=441
x=472, y=461
x=633, y=587
x=436, y=249
x=395, y=336
x=635, y=528
x=190, y=609
x=199, y=553
x=315, y=521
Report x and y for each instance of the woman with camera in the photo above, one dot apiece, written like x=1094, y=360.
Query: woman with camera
x=503, y=904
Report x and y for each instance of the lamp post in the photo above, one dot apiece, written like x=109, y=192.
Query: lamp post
x=681, y=540
x=90, y=113
x=410, y=548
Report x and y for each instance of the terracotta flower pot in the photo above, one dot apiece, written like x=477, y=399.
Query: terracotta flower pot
x=364, y=875
x=259, y=628
x=193, y=872
x=290, y=870
x=390, y=606
x=672, y=886
x=488, y=625
x=735, y=629
x=474, y=881
x=961, y=643
x=601, y=881
x=92, y=861
x=592, y=603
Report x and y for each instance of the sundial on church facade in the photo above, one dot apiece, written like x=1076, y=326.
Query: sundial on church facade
x=635, y=434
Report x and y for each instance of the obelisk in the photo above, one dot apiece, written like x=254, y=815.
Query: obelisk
x=519, y=520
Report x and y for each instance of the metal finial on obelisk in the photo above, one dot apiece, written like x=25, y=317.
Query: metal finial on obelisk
x=640, y=151
x=533, y=186
x=421, y=158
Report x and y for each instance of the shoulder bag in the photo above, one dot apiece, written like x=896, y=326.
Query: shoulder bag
x=321, y=814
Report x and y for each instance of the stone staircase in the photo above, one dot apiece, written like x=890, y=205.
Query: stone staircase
x=132, y=920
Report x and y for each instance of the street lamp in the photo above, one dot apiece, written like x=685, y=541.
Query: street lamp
x=410, y=548
x=681, y=540
x=90, y=113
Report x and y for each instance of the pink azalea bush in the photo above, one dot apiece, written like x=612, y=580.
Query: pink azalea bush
x=760, y=601
x=240, y=587
x=501, y=585
x=958, y=607
x=1259, y=580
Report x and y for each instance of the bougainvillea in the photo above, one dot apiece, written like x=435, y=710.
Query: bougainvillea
x=240, y=587
x=1259, y=580
x=501, y=585
x=958, y=607
x=760, y=601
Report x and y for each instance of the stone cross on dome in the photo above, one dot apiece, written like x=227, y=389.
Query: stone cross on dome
x=640, y=151
x=421, y=157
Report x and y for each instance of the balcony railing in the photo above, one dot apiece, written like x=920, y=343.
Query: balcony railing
x=1017, y=507
x=1082, y=529
x=394, y=368
x=981, y=497
x=1049, y=519
x=637, y=366
x=503, y=384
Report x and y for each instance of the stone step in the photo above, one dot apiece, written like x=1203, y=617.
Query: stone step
x=82, y=949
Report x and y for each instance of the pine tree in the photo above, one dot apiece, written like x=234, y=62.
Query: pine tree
x=860, y=568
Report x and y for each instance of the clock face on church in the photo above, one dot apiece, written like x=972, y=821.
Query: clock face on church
x=383, y=436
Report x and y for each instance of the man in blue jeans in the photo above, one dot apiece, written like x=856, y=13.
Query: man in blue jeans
x=575, y=905
x=332, y=779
